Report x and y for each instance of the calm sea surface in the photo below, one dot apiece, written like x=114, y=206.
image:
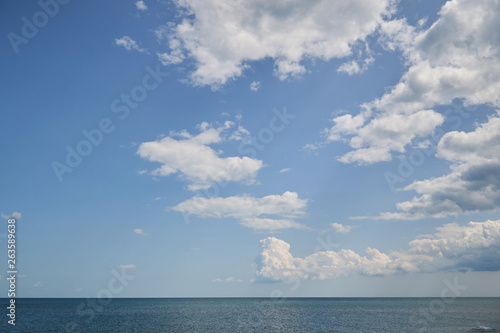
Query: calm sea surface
x=255, y=315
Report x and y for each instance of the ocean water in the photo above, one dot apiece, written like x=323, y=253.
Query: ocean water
x=255, y=315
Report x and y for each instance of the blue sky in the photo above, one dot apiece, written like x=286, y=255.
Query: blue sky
x=252, y=149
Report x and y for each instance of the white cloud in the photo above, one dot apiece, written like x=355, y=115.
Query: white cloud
x=255, y=86
x=192, y=157
x=341, y=229
x=129, y=44
x=352, y=67
x=228, y=280
x=224, y=36
x=141, y=5
x=285, y=170
x=457, y=57
x=473, y=184
x=272, y=212
x=475, y=247
x=128, y=266
x=14, y=215
x=140, y=232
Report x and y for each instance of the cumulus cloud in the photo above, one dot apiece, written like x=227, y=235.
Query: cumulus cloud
x=129, y=44
x=224, y=36
x=474, y=247
x=199, y=164
x=340, y=228
x=141, y=5
x=457, y=57
x=227, y=280
x=272, y=212
x=473, y=184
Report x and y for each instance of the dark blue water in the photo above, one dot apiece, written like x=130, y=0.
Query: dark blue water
x=255, y=315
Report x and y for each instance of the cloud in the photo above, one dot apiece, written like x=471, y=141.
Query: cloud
x=129, y=266
x=352, y=67
x=285, y=170
x=228, y=280
x=223, y=41
x=474, y=247
x=14, y=215
x=272, y=212
x=129, y=44
x=456, y=58
x=255, y=86
x=473, y=184
x=38, y=284
x=140, y=232
x=341, y=229
x=198, y=163
x=141, y=5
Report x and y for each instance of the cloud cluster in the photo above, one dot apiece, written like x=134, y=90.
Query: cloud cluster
x=475, y=247
x=272, y=212
x=224, y=36
x=457, y=57
x=199, y=164
x=473, y=183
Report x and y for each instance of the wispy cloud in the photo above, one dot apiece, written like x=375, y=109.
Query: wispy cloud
x=227, y=280
x=341, y=229
x=255, y=86
x=129, y=44
x=140, y=232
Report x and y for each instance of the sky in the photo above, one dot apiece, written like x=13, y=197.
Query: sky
x=212, y=148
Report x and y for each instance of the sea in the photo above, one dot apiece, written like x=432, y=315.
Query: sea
x=33, y=315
